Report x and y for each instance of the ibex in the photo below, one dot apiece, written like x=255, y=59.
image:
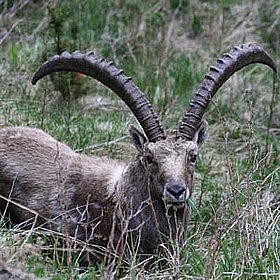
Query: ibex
x=99, y=200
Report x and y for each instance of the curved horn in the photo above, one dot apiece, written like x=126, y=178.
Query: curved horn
x=113, y=78
x=239, y=57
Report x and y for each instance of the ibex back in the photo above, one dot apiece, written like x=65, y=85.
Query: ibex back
x=104, y=201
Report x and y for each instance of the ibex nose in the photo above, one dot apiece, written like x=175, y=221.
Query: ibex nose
x=175, y=193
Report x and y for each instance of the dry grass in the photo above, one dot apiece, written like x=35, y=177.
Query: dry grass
x=234, y=234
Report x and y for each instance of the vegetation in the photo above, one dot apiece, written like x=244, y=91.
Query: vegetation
x=167, y=47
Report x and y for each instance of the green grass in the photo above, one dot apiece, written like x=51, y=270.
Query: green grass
x=234, y=227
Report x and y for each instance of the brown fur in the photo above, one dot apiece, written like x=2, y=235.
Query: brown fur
x=96, y=199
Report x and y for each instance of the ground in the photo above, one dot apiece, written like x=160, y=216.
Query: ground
x=167, y=48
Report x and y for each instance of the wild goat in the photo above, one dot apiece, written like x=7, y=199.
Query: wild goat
x=98, y=200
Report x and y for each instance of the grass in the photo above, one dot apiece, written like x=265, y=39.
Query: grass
x=167, y=47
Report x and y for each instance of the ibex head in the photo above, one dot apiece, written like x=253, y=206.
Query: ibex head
x=169, y=164
x=168, y=159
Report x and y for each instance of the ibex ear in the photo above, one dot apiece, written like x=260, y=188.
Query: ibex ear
x=201, y=133
x=137, y=137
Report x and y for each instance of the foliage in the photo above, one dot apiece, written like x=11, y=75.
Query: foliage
x=167, y=47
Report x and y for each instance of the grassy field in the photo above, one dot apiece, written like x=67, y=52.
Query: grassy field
x=167, y=47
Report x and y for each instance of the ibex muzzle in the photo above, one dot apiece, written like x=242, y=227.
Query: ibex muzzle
x=176, y=192
x=103, y=201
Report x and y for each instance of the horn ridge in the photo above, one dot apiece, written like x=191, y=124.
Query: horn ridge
x=239, y=57
x=112, y=77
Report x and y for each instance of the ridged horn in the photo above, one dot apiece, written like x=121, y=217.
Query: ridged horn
x=113, y=78
x=239, y=57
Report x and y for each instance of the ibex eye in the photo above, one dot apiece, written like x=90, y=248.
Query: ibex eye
x=149, y=159
x=193, y=158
